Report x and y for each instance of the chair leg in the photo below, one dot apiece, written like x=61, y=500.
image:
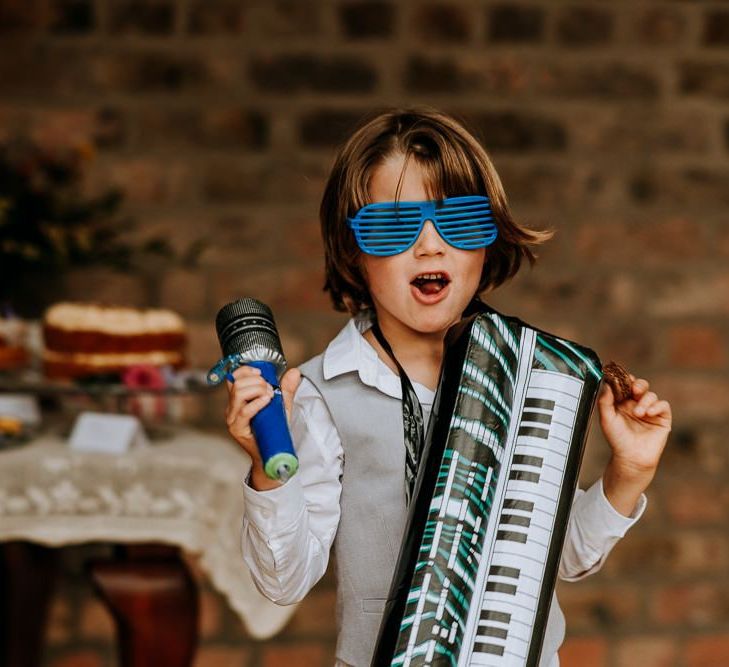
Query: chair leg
x=27, y=580
x=154, y=602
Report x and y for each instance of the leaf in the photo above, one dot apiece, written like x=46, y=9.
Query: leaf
x=193, y=252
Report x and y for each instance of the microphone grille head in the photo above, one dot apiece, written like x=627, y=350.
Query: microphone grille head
x=246, y=324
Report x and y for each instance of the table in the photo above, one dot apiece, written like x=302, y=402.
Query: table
x=183, y=492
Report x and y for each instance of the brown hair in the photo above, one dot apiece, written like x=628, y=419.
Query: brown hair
x=454, y=163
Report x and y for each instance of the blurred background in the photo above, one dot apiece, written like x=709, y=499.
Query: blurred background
x=206, y=129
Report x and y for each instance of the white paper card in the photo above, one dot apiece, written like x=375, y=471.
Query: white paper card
x=108, y=433
x=20, y=406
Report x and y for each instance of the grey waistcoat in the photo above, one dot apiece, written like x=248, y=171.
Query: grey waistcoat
x=373, y=512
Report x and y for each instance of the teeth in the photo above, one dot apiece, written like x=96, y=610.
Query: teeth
x=431, y=276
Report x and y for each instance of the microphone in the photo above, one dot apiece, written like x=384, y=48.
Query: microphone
x=248, y=336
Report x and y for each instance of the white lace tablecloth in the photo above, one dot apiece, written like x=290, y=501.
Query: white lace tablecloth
x=185, y=492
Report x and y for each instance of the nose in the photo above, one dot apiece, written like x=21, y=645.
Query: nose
x=430, y=242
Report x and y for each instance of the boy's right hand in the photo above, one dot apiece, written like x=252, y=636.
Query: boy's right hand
x=247, y=396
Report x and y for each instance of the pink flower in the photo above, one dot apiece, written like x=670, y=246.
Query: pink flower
x=143, y=376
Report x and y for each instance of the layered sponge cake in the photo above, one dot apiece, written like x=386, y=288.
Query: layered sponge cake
x=90, y=339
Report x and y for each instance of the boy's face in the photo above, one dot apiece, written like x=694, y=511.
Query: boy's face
x=426, y=288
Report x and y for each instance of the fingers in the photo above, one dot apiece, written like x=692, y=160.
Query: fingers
x=289, y=384
x=646, y=401
x=659, y=409
x=640, y=387
x=242, y=373
x=242, y=397
x=247, y=395
x=606, y=397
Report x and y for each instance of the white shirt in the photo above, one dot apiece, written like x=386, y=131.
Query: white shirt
x=288, y=531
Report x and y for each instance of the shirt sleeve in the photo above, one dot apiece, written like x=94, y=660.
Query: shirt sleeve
x=594, y=528
x=288, y=531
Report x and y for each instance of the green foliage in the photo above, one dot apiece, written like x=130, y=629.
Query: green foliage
x=49, y=225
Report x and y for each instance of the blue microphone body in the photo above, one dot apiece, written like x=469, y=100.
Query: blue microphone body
x=248, y=336
x=271, y=430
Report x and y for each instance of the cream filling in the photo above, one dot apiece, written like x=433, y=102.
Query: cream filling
x=158, y=358
x=112, y=320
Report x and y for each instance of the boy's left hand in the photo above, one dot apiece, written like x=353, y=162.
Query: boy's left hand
x=637, y=431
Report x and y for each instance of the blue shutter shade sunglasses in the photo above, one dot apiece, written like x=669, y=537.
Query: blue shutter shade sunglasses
x=389, y=228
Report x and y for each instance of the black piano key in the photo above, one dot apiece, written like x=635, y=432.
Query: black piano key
x=515, y=520
x=543, y=403
x=482, y=647
x=500, y=616
x=524, y=476
x=535, y=461
x=511, y=536
x=504, y=571
x=498, y=587
x=541, y=417
x=487, y=631
x=534, y=432
x=513, y=504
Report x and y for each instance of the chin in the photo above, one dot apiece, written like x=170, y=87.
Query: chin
x=435, y=322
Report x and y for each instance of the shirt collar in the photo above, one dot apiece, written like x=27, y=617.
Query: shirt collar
x=350, y=352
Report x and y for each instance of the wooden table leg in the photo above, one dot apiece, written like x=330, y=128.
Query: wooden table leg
x=27, y=578
x=154, y=601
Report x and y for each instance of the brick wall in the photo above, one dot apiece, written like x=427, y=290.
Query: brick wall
x=606, y=120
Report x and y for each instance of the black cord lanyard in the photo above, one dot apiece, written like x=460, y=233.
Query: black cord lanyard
x=412, y=419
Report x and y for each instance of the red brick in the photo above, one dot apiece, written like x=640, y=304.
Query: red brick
x=676, y=552
x=678, y=188
x=596, y=80
x=513, y=23
x=149, y=181
x=367, y=20
x=185, y=292
x=661, y=26
x=708, y=651
x=293, y=345
x=693, y=396
x=646, y=652
x=698, y=501
x=292, y=288
x=221, y=17
x=651, y=243
x=584, y=26
x=271, y=181
x=697, y=604
x=632, y=130
x=285, y=20
x=583, y=651
x=709, y=80
x=18, y=16
x=96, y=621
x=203, y=348
x=299, y=655
x=242, y=240
x=700, y=447
x=697, y=346
x=63, y=127
x=134, y=17
x=297, y=73
x=590, y=608
x=444, y=22
x=106, y=286
x=631, y=346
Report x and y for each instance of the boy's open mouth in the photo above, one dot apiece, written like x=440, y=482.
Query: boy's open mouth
x=431, y=283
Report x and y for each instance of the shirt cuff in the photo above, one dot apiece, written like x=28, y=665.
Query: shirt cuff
x=604, y=520
x=274, y=510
